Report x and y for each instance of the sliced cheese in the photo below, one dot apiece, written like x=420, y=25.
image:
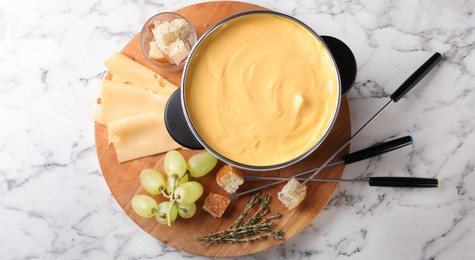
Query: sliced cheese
x=140, y=136
x=126, y=70
x=119, y=100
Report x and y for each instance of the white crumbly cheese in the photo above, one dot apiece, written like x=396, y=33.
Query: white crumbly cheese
x=139, y=136
x=171, y=37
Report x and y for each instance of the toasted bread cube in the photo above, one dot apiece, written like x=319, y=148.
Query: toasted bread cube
x=216, y=204
x=229, y=178
x=292, y=194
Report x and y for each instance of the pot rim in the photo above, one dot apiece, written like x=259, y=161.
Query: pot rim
x=235, y=163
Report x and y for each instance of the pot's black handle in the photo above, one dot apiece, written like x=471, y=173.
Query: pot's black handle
x=345, y=61
x=175, y=117
x=176, y=123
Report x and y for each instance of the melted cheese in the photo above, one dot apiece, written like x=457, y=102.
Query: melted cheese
x=261, y=90
x=139, y=136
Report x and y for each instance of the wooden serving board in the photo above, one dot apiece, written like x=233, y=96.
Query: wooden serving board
x=123, y=179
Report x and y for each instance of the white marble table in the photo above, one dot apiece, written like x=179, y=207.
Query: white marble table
x=55, y=204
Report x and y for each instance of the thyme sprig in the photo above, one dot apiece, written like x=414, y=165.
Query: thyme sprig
x=255, y=199
x=256, y=227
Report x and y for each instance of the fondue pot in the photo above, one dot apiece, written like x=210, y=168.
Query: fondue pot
x=177, y=112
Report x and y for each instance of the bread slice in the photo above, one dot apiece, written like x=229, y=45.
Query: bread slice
x=292, y=194
x=216, y=204
x=155, y=53
x=229, y=178
x=177, y=51
x=167, y=32
x=171, y=39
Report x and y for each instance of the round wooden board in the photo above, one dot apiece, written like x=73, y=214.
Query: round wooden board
x=123, y=179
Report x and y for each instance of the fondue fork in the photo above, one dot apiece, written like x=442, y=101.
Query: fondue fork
x=397, y=182
x=406, y=86
x=350, y=158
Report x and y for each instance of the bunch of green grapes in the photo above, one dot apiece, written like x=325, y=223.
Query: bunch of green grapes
x=181, y=192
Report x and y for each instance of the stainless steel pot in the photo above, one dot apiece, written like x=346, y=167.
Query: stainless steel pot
x=181, y=128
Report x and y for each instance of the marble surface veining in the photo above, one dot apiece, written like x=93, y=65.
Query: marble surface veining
x=55, y=204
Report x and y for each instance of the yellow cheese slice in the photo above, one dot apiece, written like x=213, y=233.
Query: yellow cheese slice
x=119, y=100
x=139, y=136
x=126, y=70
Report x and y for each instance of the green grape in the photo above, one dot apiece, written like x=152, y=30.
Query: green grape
x=171, y=182
x=152, y=181
x=186, y=210
x=202, y=163
x=161, y=215
x=144, y=205
x=174, y=164
x=188, y=192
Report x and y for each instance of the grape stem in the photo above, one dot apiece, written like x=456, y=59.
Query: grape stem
x=162, y=190
x=169, y=213
x=173, y=198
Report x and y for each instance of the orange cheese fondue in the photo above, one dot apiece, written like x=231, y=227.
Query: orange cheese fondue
x=261, y=90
